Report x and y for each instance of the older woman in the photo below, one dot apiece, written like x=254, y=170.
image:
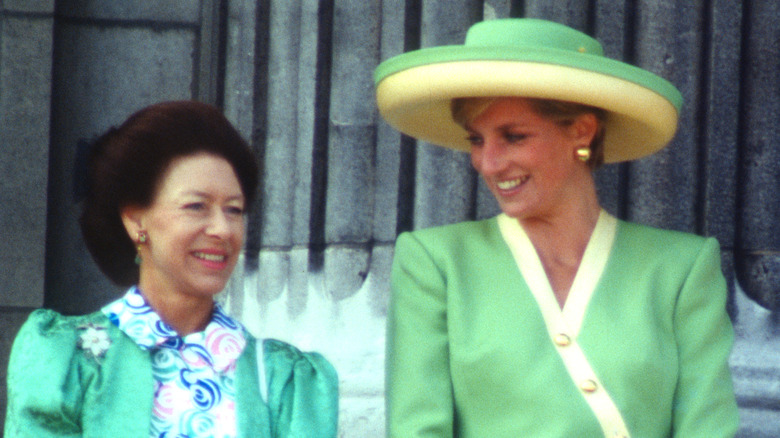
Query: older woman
x=165, y=213
x=554, y=319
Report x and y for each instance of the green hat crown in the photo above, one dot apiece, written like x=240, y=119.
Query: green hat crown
x=530, y=33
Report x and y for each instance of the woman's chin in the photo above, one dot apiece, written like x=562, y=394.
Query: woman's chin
x=515, y=211
x=209, y=287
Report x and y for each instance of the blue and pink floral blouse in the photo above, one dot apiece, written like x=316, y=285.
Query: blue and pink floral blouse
x=194, y=375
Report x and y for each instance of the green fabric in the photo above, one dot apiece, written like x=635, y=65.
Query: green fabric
x=469, y=354
x=530, y=40
x=55, y=390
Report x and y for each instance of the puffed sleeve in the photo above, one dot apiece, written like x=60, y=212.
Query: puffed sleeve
x=418, y=385
x=302, y=392
x=44, y=395
x=705, y=405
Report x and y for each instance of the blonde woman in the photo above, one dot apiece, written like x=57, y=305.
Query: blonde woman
x=554, y=319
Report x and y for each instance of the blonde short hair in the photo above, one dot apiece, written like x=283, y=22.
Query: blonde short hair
x=466, y=109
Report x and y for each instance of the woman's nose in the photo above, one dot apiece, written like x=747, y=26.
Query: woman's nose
x=490, y=157
x=219, y=224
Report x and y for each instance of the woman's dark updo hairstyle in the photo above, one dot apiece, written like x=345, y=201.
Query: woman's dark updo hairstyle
x=126, y=164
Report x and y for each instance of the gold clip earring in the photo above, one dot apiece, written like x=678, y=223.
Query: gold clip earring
x=583, y=154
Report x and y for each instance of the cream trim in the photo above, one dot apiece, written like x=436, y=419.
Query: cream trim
x=563, y=325
x=594, y=260
x=416, y=101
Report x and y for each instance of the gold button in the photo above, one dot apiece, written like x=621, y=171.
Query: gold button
x=562, y=340
x=589, y=386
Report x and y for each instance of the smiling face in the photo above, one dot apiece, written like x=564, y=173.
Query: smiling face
x=195, y=228
x=529, y=161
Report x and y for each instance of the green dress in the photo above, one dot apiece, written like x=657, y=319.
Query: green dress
x=57, y=389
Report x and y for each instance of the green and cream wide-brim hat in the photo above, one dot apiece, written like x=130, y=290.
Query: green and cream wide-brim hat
x=527, y=58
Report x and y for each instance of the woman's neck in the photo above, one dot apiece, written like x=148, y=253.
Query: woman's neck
x=560, y=241
x=184, y=314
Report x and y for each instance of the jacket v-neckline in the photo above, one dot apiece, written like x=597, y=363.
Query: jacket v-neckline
x=594, y=260
x=563, y=324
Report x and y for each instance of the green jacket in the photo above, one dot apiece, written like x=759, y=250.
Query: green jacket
x=56, y=390
x=470, y=353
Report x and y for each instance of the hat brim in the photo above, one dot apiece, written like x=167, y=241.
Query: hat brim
x=642, y=108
